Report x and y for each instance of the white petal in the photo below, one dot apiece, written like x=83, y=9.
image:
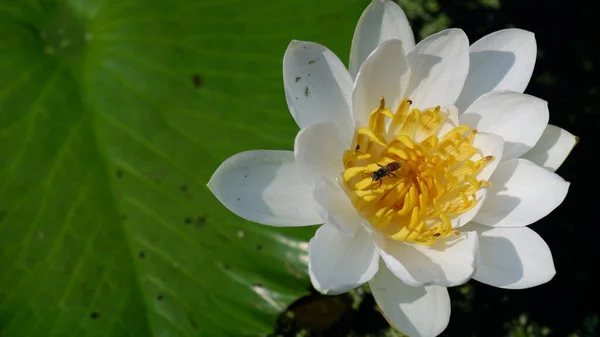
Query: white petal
x=512, y=258
x=318, y=87
x=335, y=207
x=502, y=60
x=447, y=263
x=488, y=144
x=521, y=194
x=439, y=66
x=416, y=311
x=451, y=122
x=385, y=73
x=452, y=112
x=466, y=217
x=265, y=187
x=338, y=263
x=318, y=150
x=381, y=20
x=519, y=119
x=552, y=148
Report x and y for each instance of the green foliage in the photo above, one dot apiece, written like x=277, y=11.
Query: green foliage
x=113, y=116
x=590, y=327
x=524, y=327
x=427, y=16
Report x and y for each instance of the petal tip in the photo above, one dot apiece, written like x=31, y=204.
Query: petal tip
x=527, y=33
x=523, y=33
x=459, y=33
x=551, y=274
x=211, y=182
x=296, y=43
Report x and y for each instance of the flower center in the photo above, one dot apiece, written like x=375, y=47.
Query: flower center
x=408, y=182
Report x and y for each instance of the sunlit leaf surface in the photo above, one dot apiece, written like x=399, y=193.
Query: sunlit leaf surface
x=113, y=116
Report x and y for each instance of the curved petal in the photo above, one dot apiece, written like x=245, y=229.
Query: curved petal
x=552, y=148
x=447, y=263
x=381, y=20
x=490, y=145
x=451, y=122
x=318, y=150
x=386, y=74
x=265, y=187
x=416, y=311
x=335, y=207
x=502, y=60
x=318, y=87
x=339, y=263
x=519, y=119
x=512, y=258
x=521, y=194
x=466, y=217
x=439, y=66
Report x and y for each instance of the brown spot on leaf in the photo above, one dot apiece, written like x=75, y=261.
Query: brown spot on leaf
x=198, y=81
x=200, y=221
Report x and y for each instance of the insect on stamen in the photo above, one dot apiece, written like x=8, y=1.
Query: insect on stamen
x=385, y=171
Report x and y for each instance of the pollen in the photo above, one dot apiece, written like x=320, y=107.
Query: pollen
x=409, y=173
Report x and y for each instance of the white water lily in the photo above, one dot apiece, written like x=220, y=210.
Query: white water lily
x=424, y=164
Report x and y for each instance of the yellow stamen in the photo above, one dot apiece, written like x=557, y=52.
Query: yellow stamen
x=407, y=181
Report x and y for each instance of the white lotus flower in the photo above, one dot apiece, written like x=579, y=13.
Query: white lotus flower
x=424, y=163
